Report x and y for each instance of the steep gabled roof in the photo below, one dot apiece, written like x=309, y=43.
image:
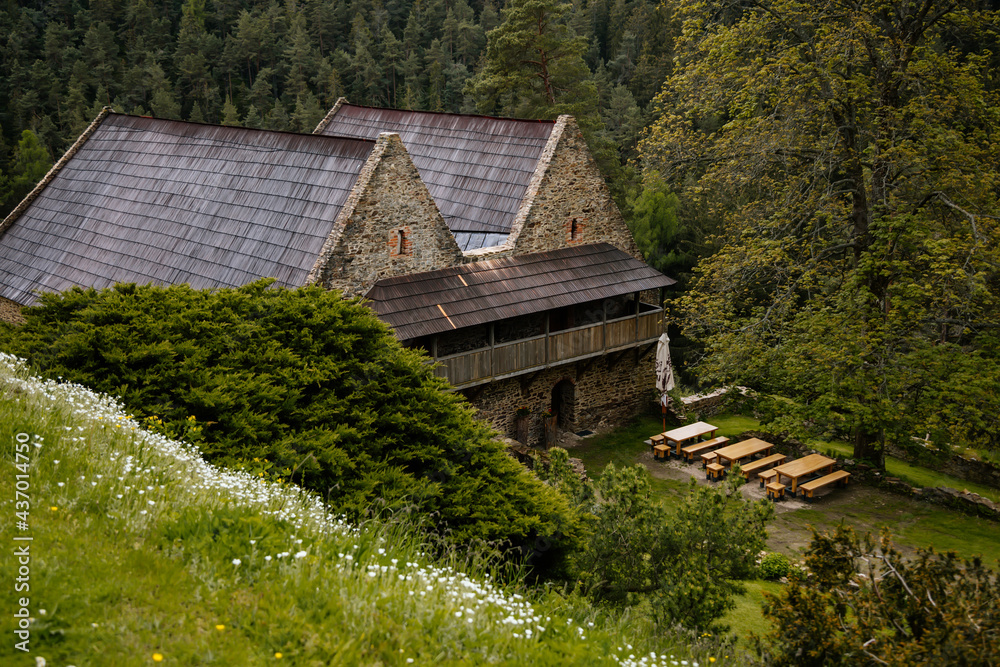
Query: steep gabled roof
x=146, y=200
x=488, y=291
x=477, y=168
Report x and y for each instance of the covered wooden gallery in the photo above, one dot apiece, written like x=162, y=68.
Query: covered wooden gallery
x=563, y=331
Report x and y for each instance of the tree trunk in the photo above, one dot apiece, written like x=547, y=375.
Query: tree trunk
x=521, y=426
x=551, y=431
x=868, y=447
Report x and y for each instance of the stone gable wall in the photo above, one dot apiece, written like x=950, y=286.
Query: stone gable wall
x=10, y=311
x=568, y=202
x=605, y=393
x=389, y=199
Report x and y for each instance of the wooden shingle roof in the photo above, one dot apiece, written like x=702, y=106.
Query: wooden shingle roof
x=477, y=168
x=422, y=304
x=145, y=200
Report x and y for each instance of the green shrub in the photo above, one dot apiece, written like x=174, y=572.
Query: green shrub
x=774, y=566
x=680, y=562
x=863, y=603
x=313, y=385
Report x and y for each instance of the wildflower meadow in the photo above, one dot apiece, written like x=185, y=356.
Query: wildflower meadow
x=141, y=552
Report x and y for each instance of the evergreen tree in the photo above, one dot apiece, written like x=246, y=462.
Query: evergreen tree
x=534, y=64
x=28, y=165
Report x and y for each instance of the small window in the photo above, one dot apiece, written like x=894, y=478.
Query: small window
x=401, y=248
x=574, y=229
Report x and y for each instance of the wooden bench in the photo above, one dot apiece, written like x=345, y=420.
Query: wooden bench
x=809, y=488
x=751, y=468
x=768, y=476
x=697, y=448
x=656, y=440
x=715, y=471
x=708, y=457
x=661, y=451
x=775, y=490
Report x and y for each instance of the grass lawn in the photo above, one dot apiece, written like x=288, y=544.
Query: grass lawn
x=747, y=617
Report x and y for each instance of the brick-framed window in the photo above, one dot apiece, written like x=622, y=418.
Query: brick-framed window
x=400, y=243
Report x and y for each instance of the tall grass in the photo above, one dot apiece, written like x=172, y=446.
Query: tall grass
x=144, y=553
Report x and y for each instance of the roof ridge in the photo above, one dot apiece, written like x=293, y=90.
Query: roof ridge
x=308, y=135
x=438, y=113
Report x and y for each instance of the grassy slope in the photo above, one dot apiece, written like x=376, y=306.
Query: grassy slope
x=142, y=550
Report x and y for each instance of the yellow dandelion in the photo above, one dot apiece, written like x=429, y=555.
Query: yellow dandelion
x=278, y=654
x=157, y=657
x=711, y=659
x=53, y=508
x=220, y=627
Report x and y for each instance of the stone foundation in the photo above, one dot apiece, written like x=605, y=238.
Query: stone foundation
x=608, y=391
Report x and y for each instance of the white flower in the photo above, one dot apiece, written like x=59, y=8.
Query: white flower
x=236, y=562
x=300, y=554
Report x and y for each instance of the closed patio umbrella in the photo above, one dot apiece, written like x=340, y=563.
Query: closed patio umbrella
x=664, y=373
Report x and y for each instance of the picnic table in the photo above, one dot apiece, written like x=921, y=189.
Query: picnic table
x=679, y=436
x=742, y=450
x=799, y=468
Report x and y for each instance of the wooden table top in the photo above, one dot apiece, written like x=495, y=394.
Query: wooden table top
x=743, y=449
x=690, y=431
x=804, y=466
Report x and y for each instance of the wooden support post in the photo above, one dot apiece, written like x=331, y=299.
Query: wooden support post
x=635, y=331
x=492, y=349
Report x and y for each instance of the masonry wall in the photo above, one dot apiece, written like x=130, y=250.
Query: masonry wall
x=609, y=391
x=389, y=227
x=569, y=203
x=10, y=311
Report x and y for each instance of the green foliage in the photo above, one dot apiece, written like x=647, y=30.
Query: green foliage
x=774, y=566
x=683, y=562
x=29, y=164
x=864, y=604
x=310, y=382
x=534, y=64
x=853, y=160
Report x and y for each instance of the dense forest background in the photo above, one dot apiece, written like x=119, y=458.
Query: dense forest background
x=281, y=64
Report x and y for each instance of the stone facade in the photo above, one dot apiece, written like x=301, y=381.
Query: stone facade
x=10, y=311
x=390, y=226
x=605, y=390
x=567, y=202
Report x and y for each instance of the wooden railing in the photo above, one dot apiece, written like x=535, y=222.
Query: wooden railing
x=531, y=354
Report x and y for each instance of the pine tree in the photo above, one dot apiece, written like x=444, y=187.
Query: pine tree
x=534, y=64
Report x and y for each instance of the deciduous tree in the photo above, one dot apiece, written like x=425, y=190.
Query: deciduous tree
x=851, y=147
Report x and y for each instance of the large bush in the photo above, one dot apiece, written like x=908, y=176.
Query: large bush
x=682, y=562
x=303, y=381
x=863, y=603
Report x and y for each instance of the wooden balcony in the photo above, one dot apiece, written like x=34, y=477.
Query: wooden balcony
x=528, y=355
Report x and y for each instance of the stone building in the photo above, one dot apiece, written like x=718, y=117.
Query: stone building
x=553, y=309
x=492, y=243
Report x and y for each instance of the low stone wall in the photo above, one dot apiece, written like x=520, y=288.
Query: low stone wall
x=705, y=405
x=971, y=470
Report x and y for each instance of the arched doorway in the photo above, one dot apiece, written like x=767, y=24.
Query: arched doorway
x=564, y=404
